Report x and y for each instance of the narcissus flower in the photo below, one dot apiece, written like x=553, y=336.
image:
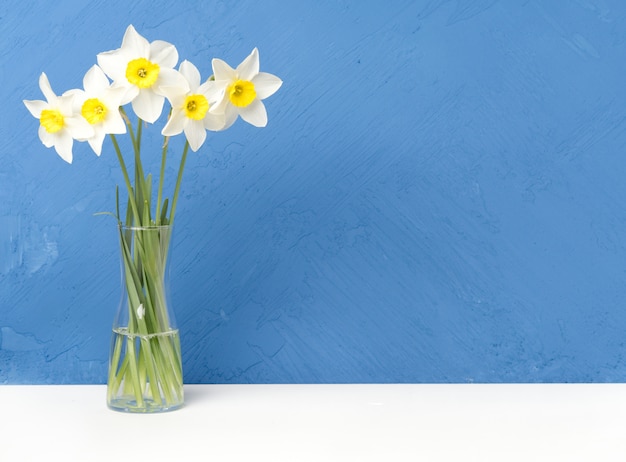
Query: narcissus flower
x=243, y=90
x=190, y=107
x=99, y=105
x=141, y=68
x=59, y=124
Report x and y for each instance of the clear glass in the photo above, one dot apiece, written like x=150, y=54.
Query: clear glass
x=145, y=364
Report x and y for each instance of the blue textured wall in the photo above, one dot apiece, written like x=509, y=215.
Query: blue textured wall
x=439, y=195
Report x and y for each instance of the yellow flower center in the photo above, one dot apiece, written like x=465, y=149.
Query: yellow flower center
x=52, y=120
x=241, y=93
x=196, y=107
x=142, y=72
x=94, y=111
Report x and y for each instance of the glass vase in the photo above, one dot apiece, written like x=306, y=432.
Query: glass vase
x=145, y=367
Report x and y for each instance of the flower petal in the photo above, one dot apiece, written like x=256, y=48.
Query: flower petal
x=96, y=141
x=211, y=92
x=48, y=139
x=77, y=96
x=65, y=103
x=195, y=133
x=78, y=128
x=175, y=125
x=148, y=105
x=95, y=81
x=113, y=97
x=171, y=78
x=130, y=93
x=46, y=89
x=63, y=145
x=113, y=123
x=266, y=84
x=175, y=95
x=215, y=122
x=222, y=71
x=221, y=104
x=114, y=63
x=135, y=44
x=230, y=116
x=163, y=53
x=254, y=113
x=191, y=73
x=35, y=107
x=249, y=67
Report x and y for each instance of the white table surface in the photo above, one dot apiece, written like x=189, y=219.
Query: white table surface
x=321, y=423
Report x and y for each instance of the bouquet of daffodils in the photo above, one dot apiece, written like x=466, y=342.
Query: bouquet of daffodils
x=145, y=366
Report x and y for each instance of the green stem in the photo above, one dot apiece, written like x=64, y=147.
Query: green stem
x=153, y=378
x=134, y=374
x=114, y=367
x=178, y=182
x=139, y=131
x=129, y=125
x=140, y=182
x=142, y=187
x=137, y=147
x=129, y=186
x=161, y=177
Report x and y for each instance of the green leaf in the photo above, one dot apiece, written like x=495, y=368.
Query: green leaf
x=129, y=212
x=97, y=214
x=148, y=196
x=117, y=201
x=164, y=212
x=146, y=214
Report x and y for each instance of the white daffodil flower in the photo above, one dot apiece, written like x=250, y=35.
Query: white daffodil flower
x=141, y=311
x=59, y=124
x=141, y=68
x=99, y=105
x=190, y=107
x=243, y=90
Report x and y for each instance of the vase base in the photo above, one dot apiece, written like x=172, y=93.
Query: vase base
x=129, y=405
x=145, y=373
